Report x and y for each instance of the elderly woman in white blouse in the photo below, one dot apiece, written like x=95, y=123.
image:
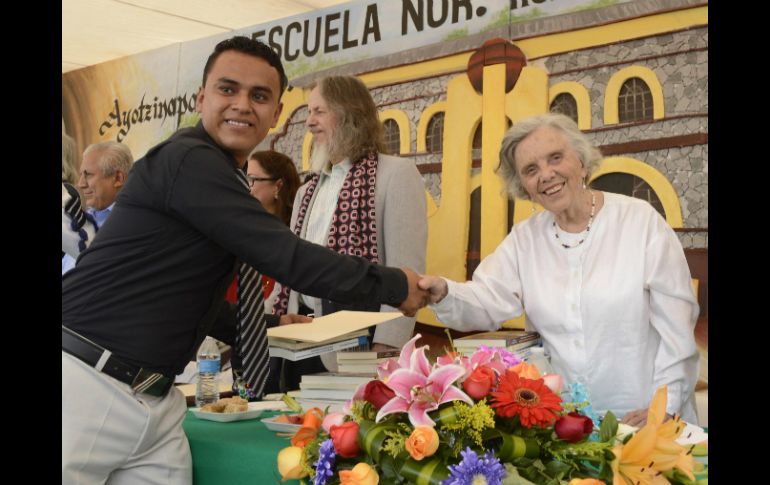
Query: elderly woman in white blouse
x=601, y=276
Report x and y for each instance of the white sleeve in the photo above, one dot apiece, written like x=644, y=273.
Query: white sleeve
x=673, y=313
x=493, y=296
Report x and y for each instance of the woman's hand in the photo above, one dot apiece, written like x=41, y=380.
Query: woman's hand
x=638, y=418
x=436, y=286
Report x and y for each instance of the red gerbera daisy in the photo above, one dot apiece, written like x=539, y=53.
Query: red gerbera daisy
x=529, y=399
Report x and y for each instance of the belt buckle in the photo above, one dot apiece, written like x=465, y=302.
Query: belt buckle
x=152, y=383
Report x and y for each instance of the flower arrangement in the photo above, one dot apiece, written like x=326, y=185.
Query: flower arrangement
x=485, y=419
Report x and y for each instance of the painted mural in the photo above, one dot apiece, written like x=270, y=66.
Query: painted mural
x=448, y=77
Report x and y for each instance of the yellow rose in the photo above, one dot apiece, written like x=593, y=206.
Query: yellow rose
x=290, y=463
x=585, y=481
x=361, y=474
x=423, y=442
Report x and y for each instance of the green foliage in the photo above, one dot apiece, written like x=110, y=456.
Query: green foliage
x=292, y=403
x=311, y=453
x=363, y=411
x=570, y=407
x=396, y=442
x=390, y=471
x=609, y=427
x=678, y=478
x=470, y=424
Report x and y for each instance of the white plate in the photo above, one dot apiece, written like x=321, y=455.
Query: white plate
x=254, y=411
x=272, y=425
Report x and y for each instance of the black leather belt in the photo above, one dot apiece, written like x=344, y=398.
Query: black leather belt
x=101, y=359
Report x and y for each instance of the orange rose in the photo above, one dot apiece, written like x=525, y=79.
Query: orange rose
x=423, y=442
x=290, y=463
x=480, y=382
x=585, y=481
x=527, y=371
x=361, y=474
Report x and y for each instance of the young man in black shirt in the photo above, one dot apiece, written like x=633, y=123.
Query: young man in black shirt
x=151, y=285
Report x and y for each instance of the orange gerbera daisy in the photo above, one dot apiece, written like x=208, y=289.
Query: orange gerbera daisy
x=529, y=399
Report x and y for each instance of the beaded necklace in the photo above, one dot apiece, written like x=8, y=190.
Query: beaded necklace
x=587, y=229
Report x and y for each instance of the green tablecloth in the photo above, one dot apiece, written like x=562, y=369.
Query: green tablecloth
x=239, y=452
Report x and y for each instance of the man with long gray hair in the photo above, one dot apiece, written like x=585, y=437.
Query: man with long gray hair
x=359, y=202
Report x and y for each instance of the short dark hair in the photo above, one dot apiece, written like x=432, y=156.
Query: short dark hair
x=250, y=47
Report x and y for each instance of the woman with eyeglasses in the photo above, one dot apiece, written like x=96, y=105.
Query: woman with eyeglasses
x=274, y=181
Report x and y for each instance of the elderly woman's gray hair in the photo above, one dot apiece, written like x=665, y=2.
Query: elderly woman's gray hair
x=589, y=156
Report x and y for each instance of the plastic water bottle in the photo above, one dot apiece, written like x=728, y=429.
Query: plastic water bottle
x=207, y=389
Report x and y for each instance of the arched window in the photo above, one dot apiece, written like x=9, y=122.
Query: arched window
x=476, y=145
x=634, y=101
x=631, y=185
x=392, y=137
x=434, y=138
x=565, y=104
x=473, y=256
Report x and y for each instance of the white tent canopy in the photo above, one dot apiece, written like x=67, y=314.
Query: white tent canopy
x=95, y=31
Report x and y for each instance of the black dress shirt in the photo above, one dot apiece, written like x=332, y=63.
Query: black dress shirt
x=152, y=283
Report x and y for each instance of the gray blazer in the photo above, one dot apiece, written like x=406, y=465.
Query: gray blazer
x=402, y=237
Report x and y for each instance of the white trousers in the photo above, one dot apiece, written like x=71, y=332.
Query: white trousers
x=111, y=435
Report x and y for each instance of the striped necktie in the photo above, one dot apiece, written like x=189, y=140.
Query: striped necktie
x=251, y=339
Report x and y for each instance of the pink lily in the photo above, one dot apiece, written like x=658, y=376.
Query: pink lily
x=410, y=358
x=489, y=357
x=418, y=393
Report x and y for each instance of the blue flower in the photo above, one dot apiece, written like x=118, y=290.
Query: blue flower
x=579, y=395
x=325, y=463
x=475, y=470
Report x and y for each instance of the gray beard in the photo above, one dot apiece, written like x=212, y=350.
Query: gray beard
x=319, y=157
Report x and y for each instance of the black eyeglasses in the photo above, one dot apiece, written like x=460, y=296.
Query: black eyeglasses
x=253, y=179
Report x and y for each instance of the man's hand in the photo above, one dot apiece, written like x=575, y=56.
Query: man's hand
x=416, y=298
x=290, y=318
x=437, y=287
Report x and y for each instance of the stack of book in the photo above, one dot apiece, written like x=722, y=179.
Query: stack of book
x=520, y=342
x=363, y=361
x=330, y=386
x=298, y=350
x=329, y=333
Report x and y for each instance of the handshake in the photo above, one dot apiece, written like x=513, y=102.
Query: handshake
x=423, y=289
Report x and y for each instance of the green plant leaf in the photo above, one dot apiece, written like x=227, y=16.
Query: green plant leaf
x=609, y=427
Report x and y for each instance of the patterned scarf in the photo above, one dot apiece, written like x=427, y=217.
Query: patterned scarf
x=353, y=230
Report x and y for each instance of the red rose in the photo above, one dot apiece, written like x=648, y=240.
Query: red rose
x=377, y=393
x=573, y=427
x=344, y=439
x=480, y=382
